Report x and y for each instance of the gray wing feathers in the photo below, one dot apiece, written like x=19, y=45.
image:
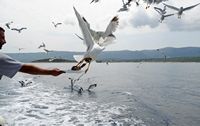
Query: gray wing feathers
x=188, y=8
x=172, y=7
x=112, y=26
x=85, y=31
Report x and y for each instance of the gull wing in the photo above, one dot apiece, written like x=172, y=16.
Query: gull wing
x=85, y=31
x=15, y=29
x=188, y=8
x=108, y=37
x=172, y=7
x=23, y=28
x=7, y=25
x=123, y=2
x=168, y=15
x=158, y=10
x=112, y=26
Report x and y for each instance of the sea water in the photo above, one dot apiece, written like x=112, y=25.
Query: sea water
x=127, y=94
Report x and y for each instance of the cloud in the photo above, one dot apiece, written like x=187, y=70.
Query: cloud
x=149, y=18
x=141, y=19
x=183, y=25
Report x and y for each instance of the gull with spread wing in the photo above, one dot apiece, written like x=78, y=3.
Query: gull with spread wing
x=124, y=7
x=181, y=9
x=56, y=24
x=8, y=24
x=149, y=2
x=159, y=10
x=162, y=13
x=136, y=2
x=94, y=1
x=19, y=29
x=42, y=45
x=95, y=41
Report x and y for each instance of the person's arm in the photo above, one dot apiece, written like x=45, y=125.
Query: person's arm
x=31, y=69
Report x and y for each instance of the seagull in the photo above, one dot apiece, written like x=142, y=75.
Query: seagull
x=56, y=24
x=72, y=82
x=91, y=86
x=43, y=45
x=162, y=13
x=94, y=1
x=21, y=49
x=162, y=53
x=18, y=29
x=181, y=9
x=78, y=89
x=8, y=24
x=163, y=17
x=95, y=41
x=47, y=51
x=159, y=10
x=149, y=2
x=25, y=83
x=124, y=7
x=136, y=2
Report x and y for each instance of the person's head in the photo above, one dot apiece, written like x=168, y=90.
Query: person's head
x=2, y=37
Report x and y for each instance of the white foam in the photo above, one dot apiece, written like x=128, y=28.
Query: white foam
x=45, y=105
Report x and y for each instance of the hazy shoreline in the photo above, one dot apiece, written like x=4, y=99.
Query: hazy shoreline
x=177, y=59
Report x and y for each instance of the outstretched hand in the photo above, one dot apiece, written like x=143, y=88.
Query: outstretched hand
x=56, y=72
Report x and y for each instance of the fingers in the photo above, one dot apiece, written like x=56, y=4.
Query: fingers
x=56, y=72
x=62, y=71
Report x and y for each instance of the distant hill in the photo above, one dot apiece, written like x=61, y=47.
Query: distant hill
x=169, y=53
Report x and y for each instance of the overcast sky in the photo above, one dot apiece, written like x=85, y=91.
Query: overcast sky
x=138, y=29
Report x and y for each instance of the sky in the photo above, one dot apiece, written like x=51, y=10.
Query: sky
x=139, y=28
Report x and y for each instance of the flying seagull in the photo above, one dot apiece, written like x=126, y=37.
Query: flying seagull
x=94, y=1
x=56, y=24
x=20, y=49
x=95, y=41
x=124, y=7
x=149, y=2
x=164, y=16
x=159, y=10
x=8, y=24
x=162, y=53
x=162, y=13
x=47, y=51
x=91, y=86
x=40, y=46
x=19, y=29
x=181, y=9
x=136, y=2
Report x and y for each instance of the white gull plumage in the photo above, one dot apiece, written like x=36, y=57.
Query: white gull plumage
x=181, y=9
x=95, y=40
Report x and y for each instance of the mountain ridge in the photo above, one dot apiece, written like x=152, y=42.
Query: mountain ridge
x=122, y=55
